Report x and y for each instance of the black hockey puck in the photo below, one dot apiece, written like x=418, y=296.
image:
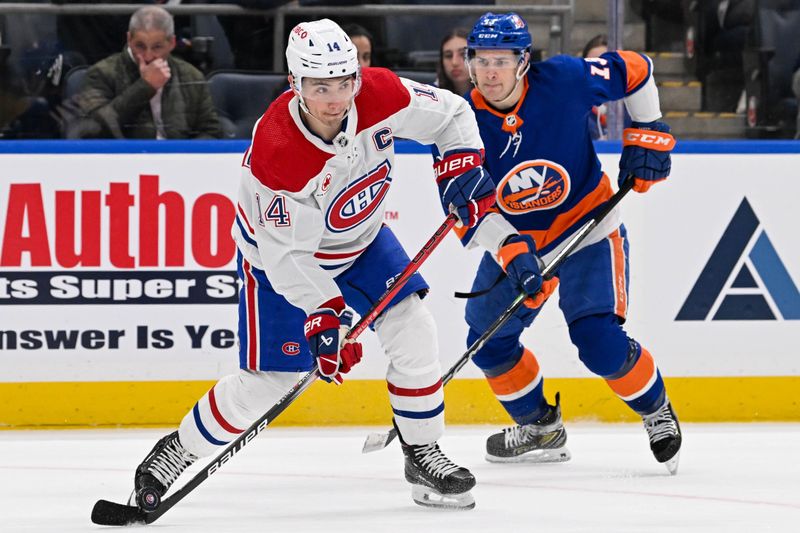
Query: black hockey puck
x=148, y=499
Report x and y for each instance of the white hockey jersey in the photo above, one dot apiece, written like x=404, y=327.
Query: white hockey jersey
x=307, y=208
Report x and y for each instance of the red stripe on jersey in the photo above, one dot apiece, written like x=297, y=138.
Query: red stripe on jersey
x=345, y=255
x=276, y=159
x=244, y=217
x=382, y=95
x=212, y=402
x=252, y=319
x=425, y=391
x=637, y=67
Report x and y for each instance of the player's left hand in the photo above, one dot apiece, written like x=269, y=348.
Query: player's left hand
x=464, y=185
x=325, y=329
x=518, y=258
x=646, y=154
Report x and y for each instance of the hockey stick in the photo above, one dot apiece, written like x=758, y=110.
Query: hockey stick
x=108, y=513
x=378, y=441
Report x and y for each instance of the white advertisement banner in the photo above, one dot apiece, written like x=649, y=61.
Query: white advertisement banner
x=121, y=267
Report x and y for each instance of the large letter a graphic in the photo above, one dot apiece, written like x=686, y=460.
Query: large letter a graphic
x=743, y=298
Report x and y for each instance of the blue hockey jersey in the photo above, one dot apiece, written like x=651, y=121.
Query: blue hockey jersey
x=540, y=153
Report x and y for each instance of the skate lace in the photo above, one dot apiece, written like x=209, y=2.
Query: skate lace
x=434, y=461
x=170, y=462
x=660, y=424
x=516, y=435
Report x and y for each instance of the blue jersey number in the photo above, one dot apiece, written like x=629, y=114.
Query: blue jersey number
x=277, y=213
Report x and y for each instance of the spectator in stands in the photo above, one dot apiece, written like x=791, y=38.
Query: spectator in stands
x=145, y=93
x=363, y=41
x=452, y=71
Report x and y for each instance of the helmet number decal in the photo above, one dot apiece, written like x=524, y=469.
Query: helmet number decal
x=334, y=47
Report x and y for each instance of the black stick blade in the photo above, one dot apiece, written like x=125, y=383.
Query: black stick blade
x=107, y=513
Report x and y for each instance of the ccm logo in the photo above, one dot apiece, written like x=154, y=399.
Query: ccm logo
x=648, y=138
x=291, y=348
x=451, y=165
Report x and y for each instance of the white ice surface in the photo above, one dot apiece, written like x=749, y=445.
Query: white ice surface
x=732, y=478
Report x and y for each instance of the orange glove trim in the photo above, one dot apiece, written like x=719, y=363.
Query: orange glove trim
x=650, y=139
x=548, y=287
x=508, y=252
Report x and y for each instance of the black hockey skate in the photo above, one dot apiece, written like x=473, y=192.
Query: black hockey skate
x=543, y=441
x=436, y=481
x=664, y=433
x=159, y=470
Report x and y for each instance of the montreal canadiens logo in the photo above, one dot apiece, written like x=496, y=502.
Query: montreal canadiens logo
x=359, y=200
x=290, y=348
x=533, y=185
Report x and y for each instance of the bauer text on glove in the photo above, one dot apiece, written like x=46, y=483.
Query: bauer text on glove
x=322, y=329
x=465, y=187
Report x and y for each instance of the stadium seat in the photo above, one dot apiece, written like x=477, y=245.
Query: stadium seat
x=769, y=63
x=72, y=82
x=241, y=97
x=417, y=75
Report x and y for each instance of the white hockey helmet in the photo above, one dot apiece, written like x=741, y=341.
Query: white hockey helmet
x=321, y=49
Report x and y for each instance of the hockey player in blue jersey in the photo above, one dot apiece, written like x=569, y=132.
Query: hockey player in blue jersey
x=533, y=122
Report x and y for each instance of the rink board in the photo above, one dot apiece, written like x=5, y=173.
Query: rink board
x=715, y=267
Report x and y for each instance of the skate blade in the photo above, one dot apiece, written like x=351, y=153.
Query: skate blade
x=375, y=442
x=672, y=464
x=427, y=497
x=554, y=455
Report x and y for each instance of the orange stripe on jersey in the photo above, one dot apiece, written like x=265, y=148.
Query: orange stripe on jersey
x=525, y=372
x=564, y=221
x=617, y=242
x=510, y=124
x=636, y=66
x=635, y=382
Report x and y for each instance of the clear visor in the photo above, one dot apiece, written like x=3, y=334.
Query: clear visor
x=495, y=62
x=326, y=91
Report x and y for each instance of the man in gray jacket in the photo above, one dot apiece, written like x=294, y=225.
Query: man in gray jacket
x=145, y=93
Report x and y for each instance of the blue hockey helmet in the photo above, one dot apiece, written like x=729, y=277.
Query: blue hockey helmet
x=504, y=31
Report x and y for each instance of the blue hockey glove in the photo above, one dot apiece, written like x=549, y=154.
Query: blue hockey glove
x=646, y=154
x=322, y=329
x=464, y=185
x=518, y=258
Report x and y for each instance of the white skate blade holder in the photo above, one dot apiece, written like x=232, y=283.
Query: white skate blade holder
x=556, y=455
x=427, y=497
x=672, y=464
x=376, y=441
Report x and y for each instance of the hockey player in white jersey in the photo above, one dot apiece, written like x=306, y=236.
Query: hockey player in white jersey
x=311, y=239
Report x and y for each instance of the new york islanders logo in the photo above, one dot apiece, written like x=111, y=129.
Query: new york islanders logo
x=360, y=199
x=533, y=185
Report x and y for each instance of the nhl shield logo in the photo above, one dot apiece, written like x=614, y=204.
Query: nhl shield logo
x=532, y=186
